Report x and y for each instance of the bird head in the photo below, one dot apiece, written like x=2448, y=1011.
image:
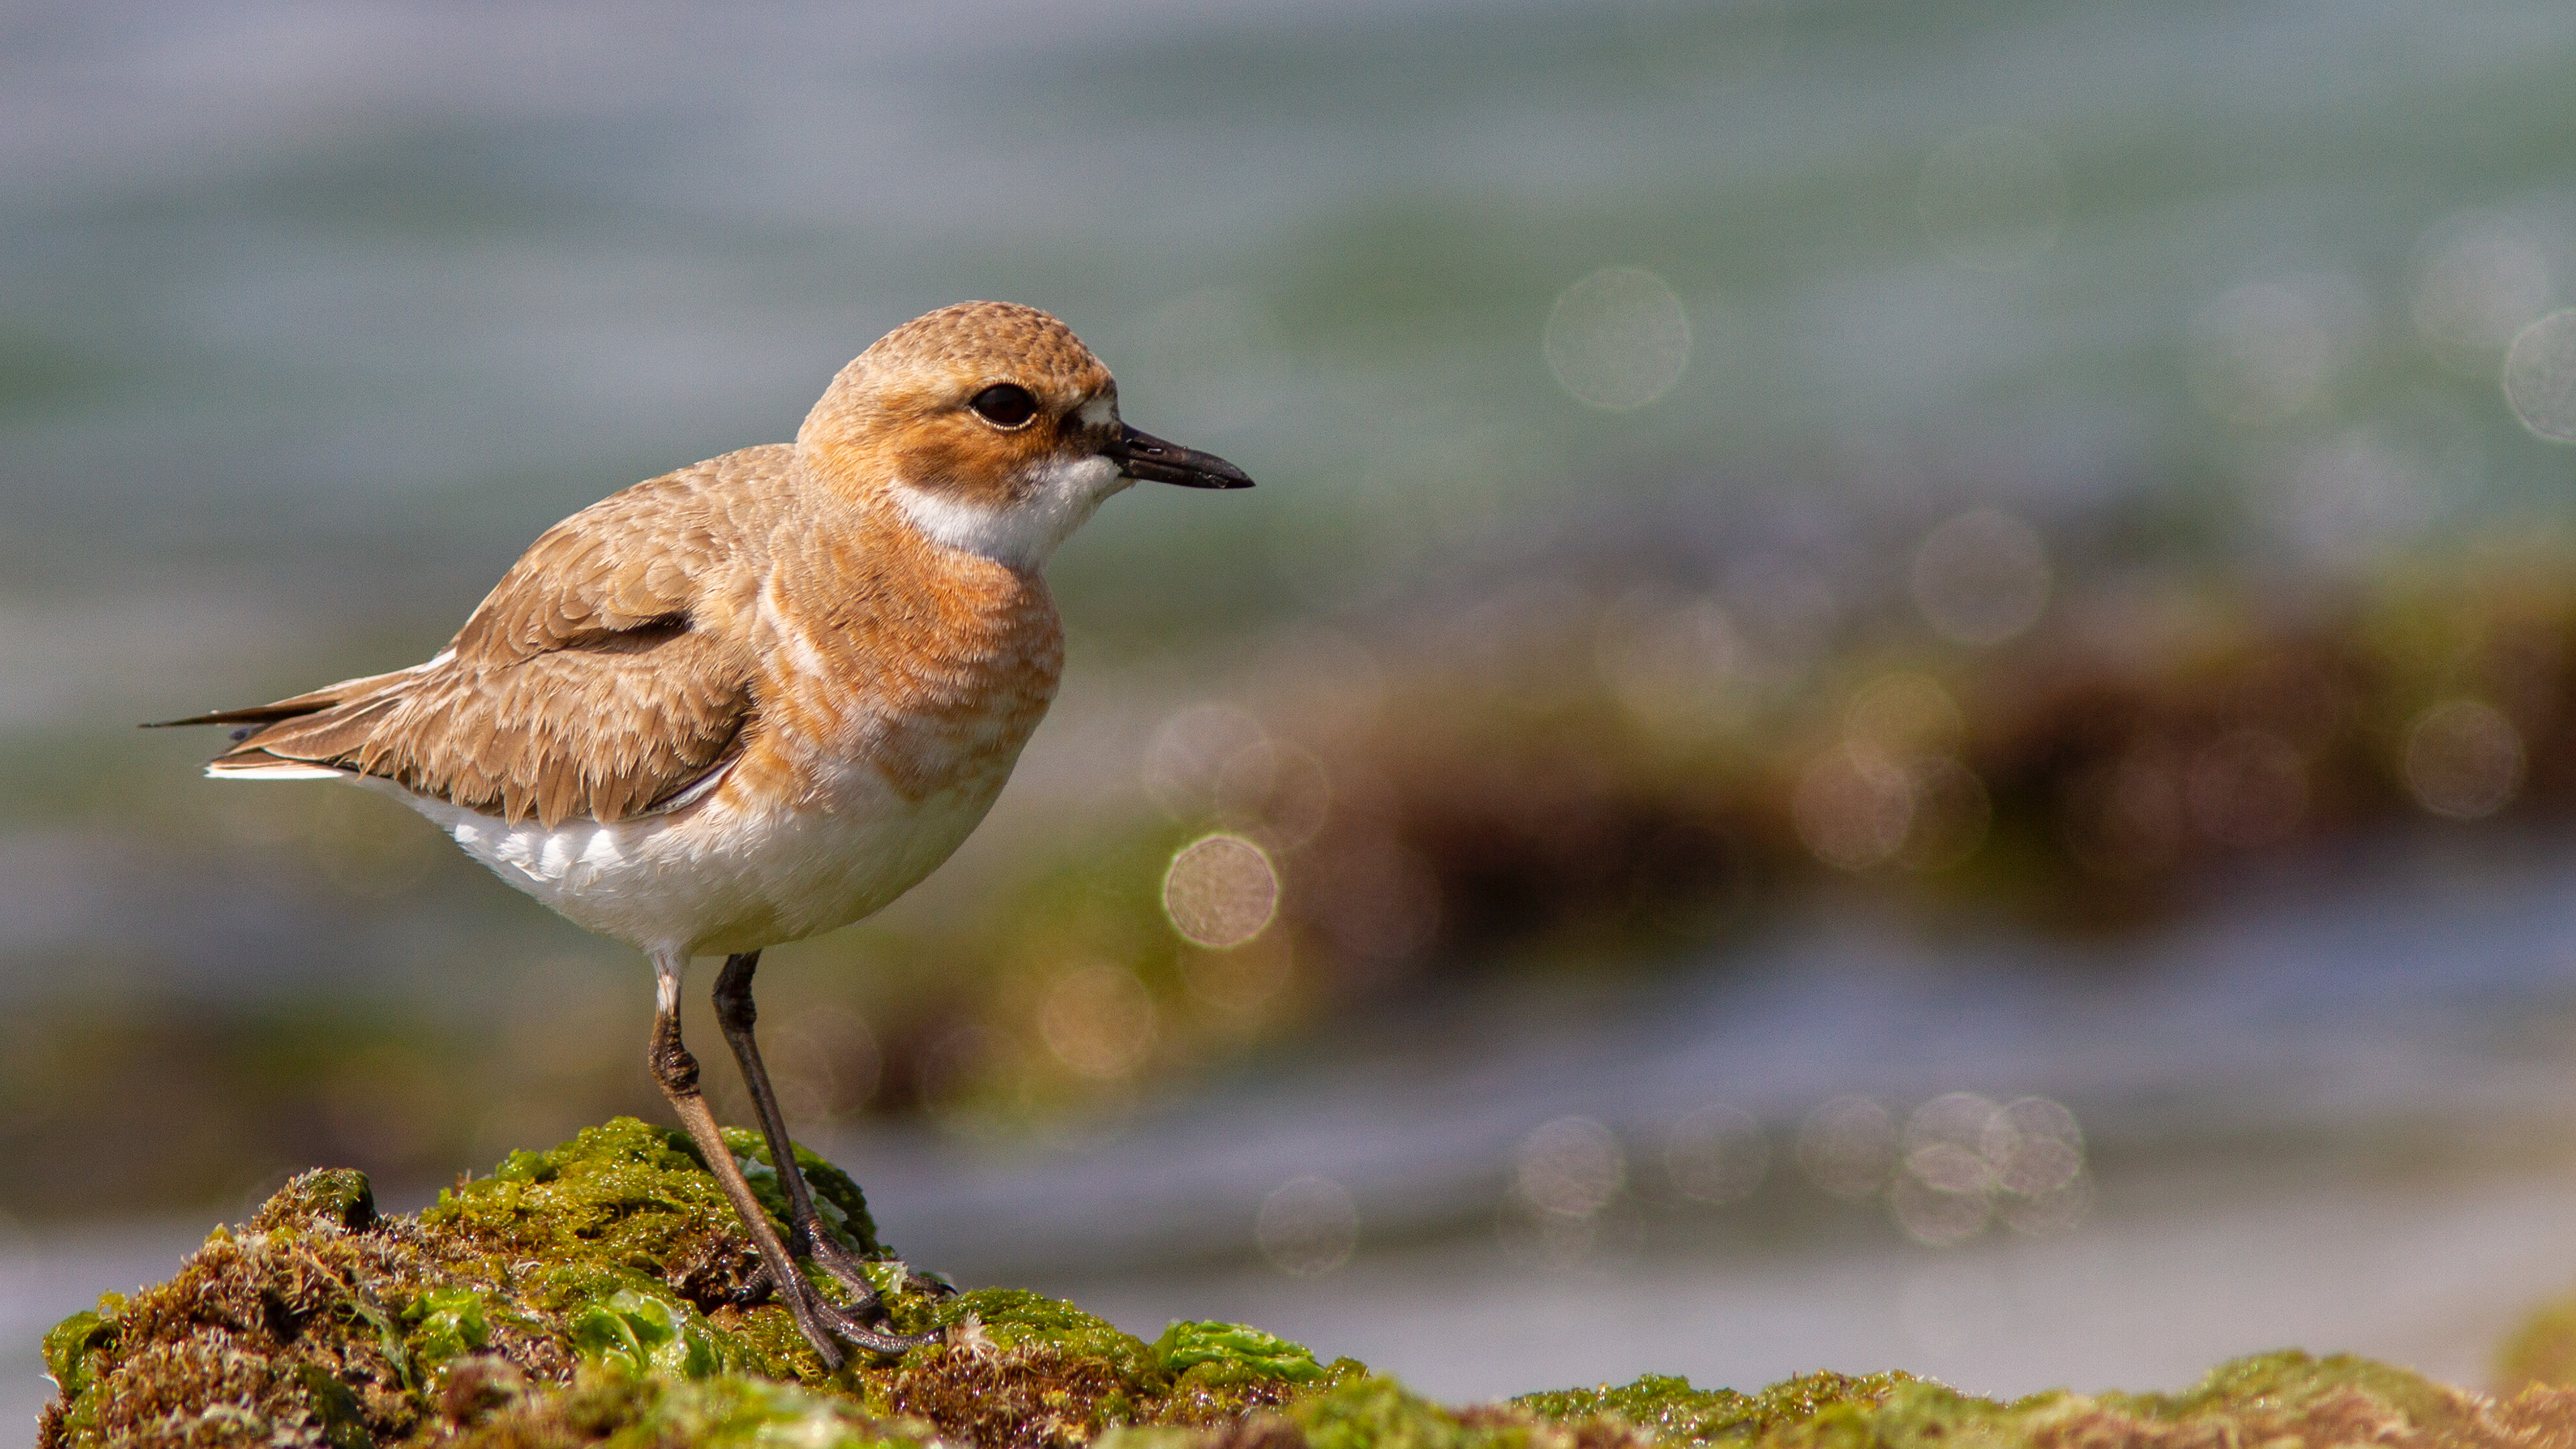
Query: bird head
x=993, y=429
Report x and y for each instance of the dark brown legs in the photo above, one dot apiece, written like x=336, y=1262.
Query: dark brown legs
x=807, y=1236
x=676, y=1071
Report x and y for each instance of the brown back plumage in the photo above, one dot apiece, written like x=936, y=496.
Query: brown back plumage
x=626, y=657
x=603, y=674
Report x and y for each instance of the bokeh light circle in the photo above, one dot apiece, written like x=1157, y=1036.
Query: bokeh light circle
x=1188, y=761
x=2052, y=1210
x=1618, y=339
x=2035, y=1147
x=1848, y=1146
x=1905, y=712
x=2540, y=376
x=1221, y=891
x=1098, y=1019
x=1672, y=659
x=2482, y=277
x=1954, y=1123
x=1308, y=1226
x=1853, y=807
x=1937, y=1216
x=1572, y=1167
x=2463, y=759
x=1982, y=577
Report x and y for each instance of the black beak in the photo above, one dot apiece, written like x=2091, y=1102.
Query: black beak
x=1142, y=455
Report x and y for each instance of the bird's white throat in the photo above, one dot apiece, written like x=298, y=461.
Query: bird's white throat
x=1022, y=534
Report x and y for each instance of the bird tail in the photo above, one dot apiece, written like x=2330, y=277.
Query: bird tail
x=315, y=736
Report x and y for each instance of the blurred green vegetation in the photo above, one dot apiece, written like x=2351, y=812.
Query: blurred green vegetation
x=304, y=341
x=1582, y=783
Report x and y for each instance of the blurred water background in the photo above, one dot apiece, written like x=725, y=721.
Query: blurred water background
x=1897, y=695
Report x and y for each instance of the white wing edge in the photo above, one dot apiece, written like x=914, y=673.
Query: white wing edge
x=696, y=790
x=274, y=771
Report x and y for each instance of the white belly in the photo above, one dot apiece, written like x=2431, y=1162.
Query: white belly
x=727, y=875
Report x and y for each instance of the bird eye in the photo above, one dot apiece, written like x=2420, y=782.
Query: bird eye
x=1005, y=405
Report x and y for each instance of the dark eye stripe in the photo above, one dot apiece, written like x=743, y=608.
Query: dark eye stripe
x=1005, y=405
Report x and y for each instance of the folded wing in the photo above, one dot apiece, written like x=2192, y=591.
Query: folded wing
x=608, y=673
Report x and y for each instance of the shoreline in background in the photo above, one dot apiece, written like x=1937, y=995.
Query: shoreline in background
x=2297, y=1132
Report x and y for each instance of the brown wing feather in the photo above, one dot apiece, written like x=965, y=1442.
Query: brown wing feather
x=267, y=714
x=609, y=669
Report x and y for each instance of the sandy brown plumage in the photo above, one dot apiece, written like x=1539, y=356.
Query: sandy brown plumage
x=761, y=697
x=627, y=654
x=624, y=656
x=605, y=672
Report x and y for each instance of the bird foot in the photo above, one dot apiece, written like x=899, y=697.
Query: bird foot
x=852, y=1271
x=827, y=1325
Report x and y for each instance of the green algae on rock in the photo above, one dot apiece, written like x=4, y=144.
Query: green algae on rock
x=719, y=1413
x=2285, y=1398
x=1223, y=1353
x=320, y=1322
x=599, y=1293
x=604, y=1282
x=1676, y=1413
x=2282, y=1399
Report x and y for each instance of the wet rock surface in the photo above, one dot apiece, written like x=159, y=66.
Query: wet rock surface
x=601, y=1293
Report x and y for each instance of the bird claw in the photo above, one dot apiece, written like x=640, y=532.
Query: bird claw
x=826, y=1325
x=852, y=1272
x=875, y=1340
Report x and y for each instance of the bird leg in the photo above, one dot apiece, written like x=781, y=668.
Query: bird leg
x=676, y=1072
x=807, y=1235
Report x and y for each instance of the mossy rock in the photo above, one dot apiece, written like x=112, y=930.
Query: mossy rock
x=602, y=1287
x=602, y=1293
x=320, y=1322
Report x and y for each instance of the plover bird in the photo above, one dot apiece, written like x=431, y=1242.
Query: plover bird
x=759, y=698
